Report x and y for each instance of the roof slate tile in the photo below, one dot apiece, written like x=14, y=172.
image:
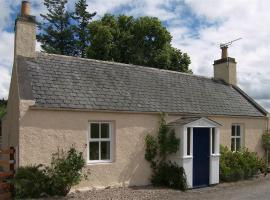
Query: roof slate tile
x=68, y=82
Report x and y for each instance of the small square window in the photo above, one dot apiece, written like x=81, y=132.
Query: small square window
x=94, y=150
x=105, y=132
x=94, y=130
x=100, y=142
x=238, y=132
x=233, y=144
x=233, y=130
x=105, y=150
x=236, y=137
x=238, y=144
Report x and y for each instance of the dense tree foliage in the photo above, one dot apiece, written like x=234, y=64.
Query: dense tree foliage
x=81, y=32
x=142, y=41
x=3, y=108
x=56, y=34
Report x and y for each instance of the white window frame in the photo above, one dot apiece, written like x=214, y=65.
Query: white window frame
x=237, y=136
x=214, y=141
x=110, y=139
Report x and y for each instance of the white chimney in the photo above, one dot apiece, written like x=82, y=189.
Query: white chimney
x=225, y=68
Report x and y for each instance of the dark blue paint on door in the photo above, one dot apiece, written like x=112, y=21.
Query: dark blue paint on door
x=201, y=154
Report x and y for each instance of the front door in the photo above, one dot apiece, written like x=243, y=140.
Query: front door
x=201, y=153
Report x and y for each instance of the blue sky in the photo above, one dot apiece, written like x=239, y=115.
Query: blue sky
x=197, y=28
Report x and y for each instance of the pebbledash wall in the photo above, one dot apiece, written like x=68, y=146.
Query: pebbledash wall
x=43, y=131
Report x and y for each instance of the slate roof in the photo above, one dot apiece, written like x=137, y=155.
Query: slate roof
x=55, y=81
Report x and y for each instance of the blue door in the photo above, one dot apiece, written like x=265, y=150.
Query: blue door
x=201, y=153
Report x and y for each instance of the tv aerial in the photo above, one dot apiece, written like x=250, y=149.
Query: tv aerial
x=224, y=47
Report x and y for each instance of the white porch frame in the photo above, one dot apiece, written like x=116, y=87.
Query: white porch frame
x=187, y=160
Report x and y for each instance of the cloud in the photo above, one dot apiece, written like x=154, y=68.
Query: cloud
x=6, y=58
x=232, y=19
x=4, y=82
x=197, y=28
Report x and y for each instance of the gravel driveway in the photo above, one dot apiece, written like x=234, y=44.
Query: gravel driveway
x=258, y=189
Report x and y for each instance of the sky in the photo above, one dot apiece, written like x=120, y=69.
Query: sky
x=197, y=28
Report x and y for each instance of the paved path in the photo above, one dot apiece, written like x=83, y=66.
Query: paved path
x=256, y=189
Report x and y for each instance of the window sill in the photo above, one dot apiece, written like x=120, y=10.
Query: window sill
x=215, y=155
x=187, y=157
x=99, y=162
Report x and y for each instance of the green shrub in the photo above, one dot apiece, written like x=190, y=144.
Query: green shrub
x=239, y=165
x=156, y=152
x=170, y=175
x=30, y=182
x=64, y=172
x=266, y=144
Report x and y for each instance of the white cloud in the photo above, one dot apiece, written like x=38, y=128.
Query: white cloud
x=6, y=52
x=4, y=16
x=4, y=82
x=246, y=19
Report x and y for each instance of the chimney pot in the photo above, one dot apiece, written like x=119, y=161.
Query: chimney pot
x=26, y=8
x=224, y=52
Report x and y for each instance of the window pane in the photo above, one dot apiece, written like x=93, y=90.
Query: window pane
x=232, y=144
x=188, y=141
x=95, y=130
x=94, y=150
x=213, y=140
x=105, y=150
x=105, y=131
x=233, y=130
x=238, y=130
x=238, y=144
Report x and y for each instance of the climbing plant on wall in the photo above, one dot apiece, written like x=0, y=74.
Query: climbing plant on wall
x=158, y=148
x=266, y=144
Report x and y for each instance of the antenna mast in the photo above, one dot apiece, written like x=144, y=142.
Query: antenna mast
x=224, y=47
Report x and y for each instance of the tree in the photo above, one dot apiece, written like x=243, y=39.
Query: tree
x=3, y=109
x=56, y=34
x=143, y=41
x=82, y=18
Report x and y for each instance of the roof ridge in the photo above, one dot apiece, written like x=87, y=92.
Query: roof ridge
x=124, y=64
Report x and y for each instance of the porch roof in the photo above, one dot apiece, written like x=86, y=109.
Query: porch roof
x=187, y=120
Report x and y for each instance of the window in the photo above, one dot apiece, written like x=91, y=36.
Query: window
x=213, y=141
x=236, y=137
x=188, y=141
x=100, y=142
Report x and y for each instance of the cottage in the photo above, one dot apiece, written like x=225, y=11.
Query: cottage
x=106, y=109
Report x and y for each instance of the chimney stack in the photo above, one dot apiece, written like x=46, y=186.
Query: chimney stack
x=225, y=68
x=25, y=32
